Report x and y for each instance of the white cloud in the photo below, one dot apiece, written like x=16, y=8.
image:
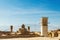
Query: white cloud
x=34, y=11
x=53, y=26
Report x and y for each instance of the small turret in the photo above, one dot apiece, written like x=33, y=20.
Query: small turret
x=11, y=28
x=28, y=28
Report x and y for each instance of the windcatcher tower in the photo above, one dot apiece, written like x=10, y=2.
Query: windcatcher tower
x=11, y=28
x=44, y=26
x=28, y=28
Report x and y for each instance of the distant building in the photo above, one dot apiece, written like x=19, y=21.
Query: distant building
x=4, y=33
x=23, y=30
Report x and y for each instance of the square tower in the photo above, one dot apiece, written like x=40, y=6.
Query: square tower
x=44, y=26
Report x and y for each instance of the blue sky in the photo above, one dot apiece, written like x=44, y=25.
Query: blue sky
x=29, y=12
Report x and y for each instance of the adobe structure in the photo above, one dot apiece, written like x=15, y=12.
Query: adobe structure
x=11, y=28
x=44, y=26
x=25, y=32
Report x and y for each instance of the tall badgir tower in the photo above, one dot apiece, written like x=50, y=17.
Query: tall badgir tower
x=44, y=26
